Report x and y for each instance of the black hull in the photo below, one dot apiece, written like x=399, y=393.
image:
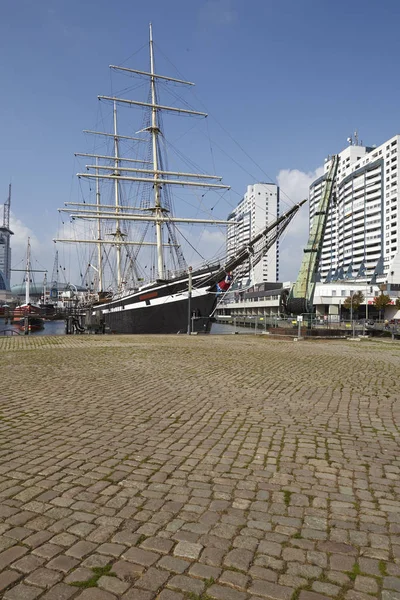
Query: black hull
x=169, y=317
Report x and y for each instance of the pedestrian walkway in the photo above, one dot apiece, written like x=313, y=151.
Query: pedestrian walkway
x=199, y=467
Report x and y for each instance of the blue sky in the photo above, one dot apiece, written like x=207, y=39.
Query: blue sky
x=289, y=80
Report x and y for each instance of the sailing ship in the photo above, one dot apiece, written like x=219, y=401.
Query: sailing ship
x=175, y=298
x=28, y=316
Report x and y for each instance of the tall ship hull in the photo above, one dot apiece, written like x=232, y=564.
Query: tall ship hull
x=166, y=313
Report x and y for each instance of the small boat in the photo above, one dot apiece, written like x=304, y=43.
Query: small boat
x=28, y=316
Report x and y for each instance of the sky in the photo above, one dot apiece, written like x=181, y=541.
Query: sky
x=285, y=84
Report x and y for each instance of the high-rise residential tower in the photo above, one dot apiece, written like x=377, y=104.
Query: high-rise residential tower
x=258, y=208
x=362, y=232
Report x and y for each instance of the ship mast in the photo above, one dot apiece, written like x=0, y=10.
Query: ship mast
x=99, y=248
x=150, y=174
x=154, y=138
x=27, y=274
x=116, y=196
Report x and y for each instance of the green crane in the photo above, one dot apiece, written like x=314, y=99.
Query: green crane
x=301, y=295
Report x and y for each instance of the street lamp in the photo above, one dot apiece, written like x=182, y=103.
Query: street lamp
x=351, y=311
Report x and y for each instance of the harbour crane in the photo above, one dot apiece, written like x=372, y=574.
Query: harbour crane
x=301, y=295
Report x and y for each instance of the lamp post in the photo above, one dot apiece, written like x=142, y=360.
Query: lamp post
x=351, y=312
x=189, y=327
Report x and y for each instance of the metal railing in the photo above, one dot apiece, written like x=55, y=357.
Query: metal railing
x=309, y=326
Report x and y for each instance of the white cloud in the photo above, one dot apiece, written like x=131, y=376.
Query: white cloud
x=218, y=12
x=295, y=185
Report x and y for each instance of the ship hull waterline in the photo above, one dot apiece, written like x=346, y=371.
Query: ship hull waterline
x=168, y=315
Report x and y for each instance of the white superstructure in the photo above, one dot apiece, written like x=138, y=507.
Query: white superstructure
x=258, y=208
x=361, y=238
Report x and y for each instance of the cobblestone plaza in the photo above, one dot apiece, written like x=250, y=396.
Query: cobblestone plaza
x=198, y=468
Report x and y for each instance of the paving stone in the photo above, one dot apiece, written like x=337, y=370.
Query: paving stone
x=390, y=595
x=204, y=571
x=175, y=565
x=341, y=562
x=188, y=550
x=366, y=584
x=63, y=563
x=270, y=548
x=79, y=574
x=11, y=555
x=271, y=590
x=153, y=579
x=170, y=595
x=233, y=579
x=127, y=571
x=61, y=591
x=96, y=560
x=111, y=549
x=239, y=559
x=37, y=539
x=327, y=589
x=261, y=573
x=27, y=564
x=96, y=594
x=7, y=578
x=47, y=550
x=136, y=594
x=225, y=593
x=22, y=592
x=157, y=544
x=391, y=583
x=81, y=549
x=140, y=557
x=306, y=595
x=113, y=585
x=186, y=584
x=43, y=577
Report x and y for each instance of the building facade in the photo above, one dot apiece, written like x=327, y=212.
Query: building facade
x=5, y=258
x=258, y=208
x=361, y=239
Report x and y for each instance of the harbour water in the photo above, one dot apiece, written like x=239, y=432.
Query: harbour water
x=50, y=328
x=58, y=328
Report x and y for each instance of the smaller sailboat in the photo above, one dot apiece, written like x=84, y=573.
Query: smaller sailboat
x=28, y=316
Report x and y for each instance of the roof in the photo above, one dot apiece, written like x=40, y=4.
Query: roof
x=36, y=289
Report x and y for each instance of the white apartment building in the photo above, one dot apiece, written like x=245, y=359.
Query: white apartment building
x=258, y=208
x=363, y=229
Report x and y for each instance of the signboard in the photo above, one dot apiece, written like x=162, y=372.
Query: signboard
x=300, y=319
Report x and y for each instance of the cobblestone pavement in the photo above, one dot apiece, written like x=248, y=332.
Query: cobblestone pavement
x=226, y=468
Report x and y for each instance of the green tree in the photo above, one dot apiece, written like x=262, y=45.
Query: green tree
x=354, y=301
x=381, y=302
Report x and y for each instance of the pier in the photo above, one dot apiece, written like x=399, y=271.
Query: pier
x=199, y=467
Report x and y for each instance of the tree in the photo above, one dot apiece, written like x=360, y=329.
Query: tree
x=381, y=302
x=397, y=303
x=354, y=301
